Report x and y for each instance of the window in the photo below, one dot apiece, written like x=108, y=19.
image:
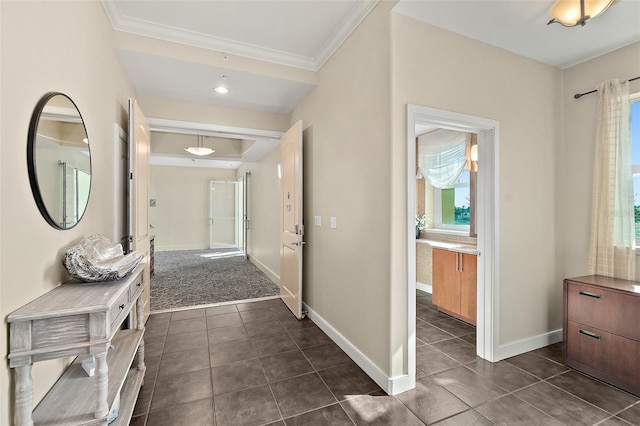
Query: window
x=453, y=205
x=635, y=159
x=447, y=165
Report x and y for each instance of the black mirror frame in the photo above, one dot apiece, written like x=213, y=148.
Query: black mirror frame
x=31, y=160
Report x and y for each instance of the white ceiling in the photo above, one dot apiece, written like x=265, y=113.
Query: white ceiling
x=520, y=27
x=171, y=78
x=304, y=33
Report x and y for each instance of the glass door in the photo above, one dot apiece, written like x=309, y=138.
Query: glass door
x=222, y=217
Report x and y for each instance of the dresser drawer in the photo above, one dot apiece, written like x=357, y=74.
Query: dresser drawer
x=599, y=307
x=136, y=288
x=119, y=310
x=614, y=355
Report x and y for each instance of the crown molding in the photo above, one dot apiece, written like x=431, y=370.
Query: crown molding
x=145, y=28
x=350, y=23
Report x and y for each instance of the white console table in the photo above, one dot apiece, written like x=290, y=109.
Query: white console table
x=80, y=319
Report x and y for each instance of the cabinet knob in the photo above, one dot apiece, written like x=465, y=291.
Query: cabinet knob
x=122, y=306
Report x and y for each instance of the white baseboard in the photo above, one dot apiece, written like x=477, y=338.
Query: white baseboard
x=529, y=344
x=391, y=385
x=267, y=271
x=427, y=288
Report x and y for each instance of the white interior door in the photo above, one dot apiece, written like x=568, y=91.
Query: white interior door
x=222, y=218
x=292, y=229
x=138, y=221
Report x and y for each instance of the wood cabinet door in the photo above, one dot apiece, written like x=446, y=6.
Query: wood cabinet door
x=446, y=281
x=468, y=289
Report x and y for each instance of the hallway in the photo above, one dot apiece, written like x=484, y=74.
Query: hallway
x=188, y=278
x=255, y=364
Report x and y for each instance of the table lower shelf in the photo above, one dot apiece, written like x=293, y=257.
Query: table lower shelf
x=71, y=401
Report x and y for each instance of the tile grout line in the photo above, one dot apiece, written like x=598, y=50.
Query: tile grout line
x=155, y=379
x=584, y=400
x=213, y=395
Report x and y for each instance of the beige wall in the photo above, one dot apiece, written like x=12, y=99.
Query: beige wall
x=212, y=114
x=180, y=219
x=136, y=43
x=576, y=178
x=264, y=213
x=347, y=175
x=438, y=69
x=51, y=46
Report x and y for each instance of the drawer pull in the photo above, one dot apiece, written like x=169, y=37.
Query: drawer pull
x=138, y=285
x=589, y=334
x=122, y=306
x=589, y=294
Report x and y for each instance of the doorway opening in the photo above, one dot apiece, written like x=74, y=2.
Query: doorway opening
x=227, y=215
x=200, y=213
x=486, y=131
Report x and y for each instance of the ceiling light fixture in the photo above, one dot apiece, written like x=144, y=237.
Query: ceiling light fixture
x=200, y=149
x=222, y=88
x=577, y=12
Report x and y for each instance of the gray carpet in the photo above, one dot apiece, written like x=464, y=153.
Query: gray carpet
x=201, y=277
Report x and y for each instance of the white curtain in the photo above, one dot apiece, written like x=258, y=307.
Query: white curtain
x=613, y=225
x=442, y=157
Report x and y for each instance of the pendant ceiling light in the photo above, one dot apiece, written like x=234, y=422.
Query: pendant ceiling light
x=200, y=149
x=577, y=12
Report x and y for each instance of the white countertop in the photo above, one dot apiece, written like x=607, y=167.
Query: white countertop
x=457, y=247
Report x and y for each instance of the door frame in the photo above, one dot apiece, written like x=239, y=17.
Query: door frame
x=242, y=202
x=487, y=329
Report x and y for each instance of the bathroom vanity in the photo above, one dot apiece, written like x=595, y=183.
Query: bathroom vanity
x=81, y=319
x=455, y=281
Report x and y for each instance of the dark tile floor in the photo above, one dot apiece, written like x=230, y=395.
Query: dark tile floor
x=254, y=364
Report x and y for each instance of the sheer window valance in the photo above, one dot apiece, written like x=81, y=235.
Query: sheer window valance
x=442, y=157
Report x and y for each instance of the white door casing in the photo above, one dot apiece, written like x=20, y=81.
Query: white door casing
x=486, y=225
x=139, y=148
x=292, y=229
x=121, y=188
x=242, y=216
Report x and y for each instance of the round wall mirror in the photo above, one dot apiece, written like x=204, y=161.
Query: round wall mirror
x=59, y=160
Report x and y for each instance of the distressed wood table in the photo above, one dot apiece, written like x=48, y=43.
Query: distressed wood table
x=80, y=319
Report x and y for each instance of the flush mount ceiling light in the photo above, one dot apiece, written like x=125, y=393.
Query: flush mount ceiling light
x=200, y=149
x=222, y=88
x=577, y=12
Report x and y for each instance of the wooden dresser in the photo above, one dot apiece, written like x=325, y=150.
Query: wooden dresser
x=602, y=329
x=80, y=319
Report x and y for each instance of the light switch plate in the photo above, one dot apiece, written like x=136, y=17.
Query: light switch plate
x=334, y=223
x=317, y=220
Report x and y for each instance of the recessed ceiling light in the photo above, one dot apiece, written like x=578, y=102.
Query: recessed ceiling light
x=221, y=89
